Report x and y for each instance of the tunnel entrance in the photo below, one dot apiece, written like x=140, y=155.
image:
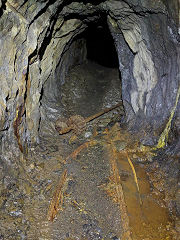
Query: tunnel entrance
x=100, y=45
x=95, y=83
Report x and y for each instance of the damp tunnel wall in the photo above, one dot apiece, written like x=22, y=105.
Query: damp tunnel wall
x=149, y=88
x=35, y=35
x=51, y=102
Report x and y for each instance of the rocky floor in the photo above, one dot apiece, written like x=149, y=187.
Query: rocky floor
x=89, y=88
x=114, y=189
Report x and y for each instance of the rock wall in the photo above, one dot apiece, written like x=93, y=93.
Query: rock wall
x=150, y=72
x=174, y=12
x=51, y=105
x=35, y=34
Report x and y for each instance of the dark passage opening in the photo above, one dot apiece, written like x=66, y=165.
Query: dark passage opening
x=87, y=79
x=100, y=45
x=94, y=83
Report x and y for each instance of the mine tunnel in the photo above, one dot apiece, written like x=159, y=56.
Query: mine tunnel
x=100, y=44
x=95, y=82
x=91, y=80
x=89, y=120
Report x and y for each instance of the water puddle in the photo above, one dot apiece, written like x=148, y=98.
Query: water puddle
x=148, y=219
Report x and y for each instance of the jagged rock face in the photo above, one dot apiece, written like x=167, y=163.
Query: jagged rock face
x=143, y=45
x=173, y=10
x=37, y=45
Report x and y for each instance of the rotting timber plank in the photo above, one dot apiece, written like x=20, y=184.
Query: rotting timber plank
x=119, y=192
x=57, y=197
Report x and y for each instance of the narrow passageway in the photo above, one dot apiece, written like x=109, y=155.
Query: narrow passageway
x=93, y=183
x=87, y=80
x=96, y=83
x=95, y=179
x=106, y=192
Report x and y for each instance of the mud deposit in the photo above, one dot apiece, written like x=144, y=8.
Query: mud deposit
x=91, y=207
